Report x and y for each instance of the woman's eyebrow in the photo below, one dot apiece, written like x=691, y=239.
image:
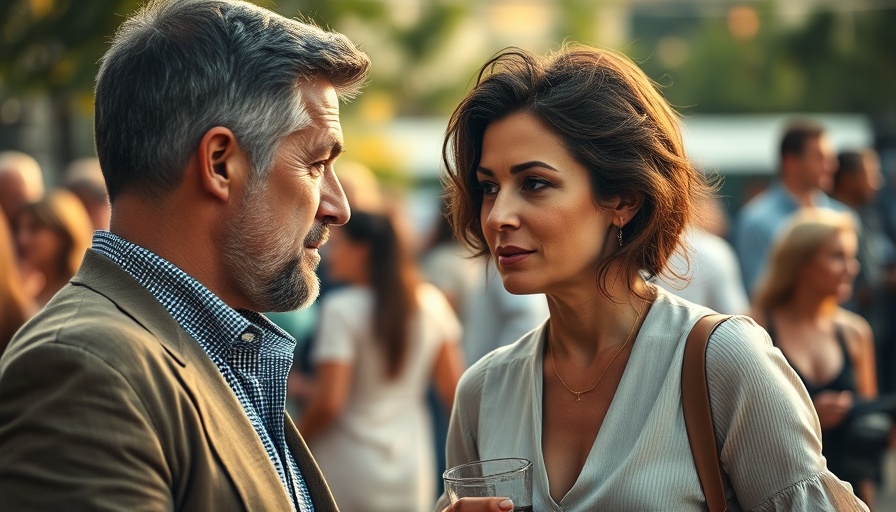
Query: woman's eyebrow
x=518, y=168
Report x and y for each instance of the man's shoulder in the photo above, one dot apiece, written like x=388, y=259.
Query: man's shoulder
x=764, y=205
x=83, y=319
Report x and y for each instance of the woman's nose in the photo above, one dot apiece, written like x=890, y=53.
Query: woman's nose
x=503, y=212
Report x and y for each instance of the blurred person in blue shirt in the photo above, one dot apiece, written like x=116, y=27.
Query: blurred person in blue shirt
x=807, y=165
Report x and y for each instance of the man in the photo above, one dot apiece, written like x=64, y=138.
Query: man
x=150, y=382
x=84, y=178
x=21, y=182
x=807, y=164
x=856, y=184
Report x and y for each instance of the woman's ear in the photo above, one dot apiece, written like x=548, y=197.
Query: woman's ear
x=628, y=205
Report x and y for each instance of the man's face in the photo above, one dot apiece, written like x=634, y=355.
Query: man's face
x=271, y=249
x=13, y=193
x=816, y=164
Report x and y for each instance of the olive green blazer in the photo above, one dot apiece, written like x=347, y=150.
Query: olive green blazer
x=107, y=404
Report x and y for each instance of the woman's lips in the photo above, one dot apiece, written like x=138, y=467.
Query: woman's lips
x=511, y=255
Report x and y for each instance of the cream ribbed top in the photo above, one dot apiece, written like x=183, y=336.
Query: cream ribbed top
x=641, y=460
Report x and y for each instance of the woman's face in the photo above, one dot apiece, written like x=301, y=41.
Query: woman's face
x=834, y=267
x=37, y=244
x=543, y=227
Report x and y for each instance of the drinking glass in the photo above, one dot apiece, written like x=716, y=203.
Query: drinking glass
x=506, y=478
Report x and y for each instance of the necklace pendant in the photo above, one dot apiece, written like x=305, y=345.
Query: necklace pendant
x=578, y=397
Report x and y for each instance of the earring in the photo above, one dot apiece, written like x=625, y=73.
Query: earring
x=619, y=235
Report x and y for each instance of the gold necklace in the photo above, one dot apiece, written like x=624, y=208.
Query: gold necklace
x=580, y=393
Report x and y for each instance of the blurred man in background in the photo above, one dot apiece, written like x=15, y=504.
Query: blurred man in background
x=856, y=184
x=21, y=182
x=805, y=174
x=84, y=178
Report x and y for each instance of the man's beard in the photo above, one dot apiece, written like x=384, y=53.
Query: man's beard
x=262, y=259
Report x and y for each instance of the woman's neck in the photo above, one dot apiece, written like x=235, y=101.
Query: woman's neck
x=807, y=307
x=585, y=324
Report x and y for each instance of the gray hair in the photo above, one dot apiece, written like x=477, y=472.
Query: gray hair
x=177, y=68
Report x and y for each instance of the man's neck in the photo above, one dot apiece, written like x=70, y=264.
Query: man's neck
x=805, y=197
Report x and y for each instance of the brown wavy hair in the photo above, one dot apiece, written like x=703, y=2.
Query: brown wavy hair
x=610, y=117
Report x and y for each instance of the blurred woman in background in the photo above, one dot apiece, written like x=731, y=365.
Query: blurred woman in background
x=15, y=305
x=52, y=235
x=381, y=340
x=811, y=272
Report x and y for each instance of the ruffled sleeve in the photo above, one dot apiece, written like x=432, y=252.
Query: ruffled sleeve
x=766, y=425
x=824, y=491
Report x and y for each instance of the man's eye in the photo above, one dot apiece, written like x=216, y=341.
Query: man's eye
x=318, y=168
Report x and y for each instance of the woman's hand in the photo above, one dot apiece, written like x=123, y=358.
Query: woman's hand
x=832, y=407
x=481, y=505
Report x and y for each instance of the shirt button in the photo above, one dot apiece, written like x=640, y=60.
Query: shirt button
x=248, y=336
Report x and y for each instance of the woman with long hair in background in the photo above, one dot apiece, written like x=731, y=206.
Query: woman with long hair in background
x=52, y=236
x=15, y=305
x=381, y=341
x=811, y=271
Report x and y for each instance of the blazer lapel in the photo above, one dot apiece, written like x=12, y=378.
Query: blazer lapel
x=320, y=493
x=234, y=439
x=227, y=427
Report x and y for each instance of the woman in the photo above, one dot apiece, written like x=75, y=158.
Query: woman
x=15, y=305
x=52, y=236
x=811, y=271
x=569, y=171
x=381, y=341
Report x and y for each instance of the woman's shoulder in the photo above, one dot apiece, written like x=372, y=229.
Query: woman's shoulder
x=741, y=347
x=351, y=298
x=736, y=330
x=430, y=296
x=508, y=367
x=857, y=332
x=854, y=326
x=523, y=350
x=670, y=312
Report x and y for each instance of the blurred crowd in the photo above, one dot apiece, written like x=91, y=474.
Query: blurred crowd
x=402, y=313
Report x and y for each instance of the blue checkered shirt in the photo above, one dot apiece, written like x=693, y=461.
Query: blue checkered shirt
x=252, y=353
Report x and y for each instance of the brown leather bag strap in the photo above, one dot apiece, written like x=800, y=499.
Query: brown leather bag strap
x=697, y=412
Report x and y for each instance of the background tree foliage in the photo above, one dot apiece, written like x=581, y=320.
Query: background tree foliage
x=53, y=46
x=839, y=61
x=836, y=60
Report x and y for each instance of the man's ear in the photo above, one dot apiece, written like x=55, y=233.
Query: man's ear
x=629, y=202
x=221, y=161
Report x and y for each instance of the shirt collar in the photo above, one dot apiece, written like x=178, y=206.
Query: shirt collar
x=214, y=324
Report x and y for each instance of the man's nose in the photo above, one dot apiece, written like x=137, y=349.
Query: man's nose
x=334, y=208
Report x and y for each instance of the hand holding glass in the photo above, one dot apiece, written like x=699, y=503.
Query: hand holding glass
x=506, y=478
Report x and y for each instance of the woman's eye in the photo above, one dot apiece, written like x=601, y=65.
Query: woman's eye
x=532, y=183
x=487, y=188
